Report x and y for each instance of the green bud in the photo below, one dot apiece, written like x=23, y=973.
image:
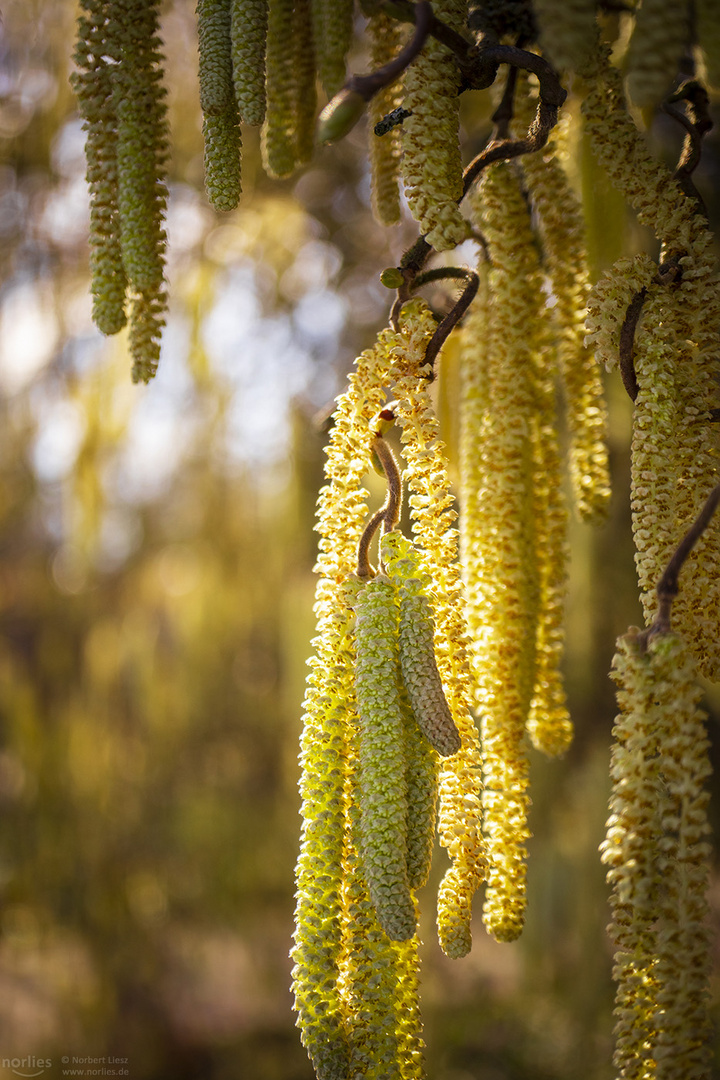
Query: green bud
x=340, y=116
x=392, y=277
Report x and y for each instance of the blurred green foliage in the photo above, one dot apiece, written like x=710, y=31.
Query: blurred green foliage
x=155, y=613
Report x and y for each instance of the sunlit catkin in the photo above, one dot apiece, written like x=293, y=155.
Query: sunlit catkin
x=431, y=164
x=659, y=36
x=385, y=150
x=608, y=303
x=433, y=516
x=562, y=231
x=501, y=557
x=656, y=854
x=248, y=33
x=383, y=801
x=329, y=712
x=92, y=84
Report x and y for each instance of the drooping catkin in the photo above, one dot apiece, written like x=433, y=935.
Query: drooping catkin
x=221, y=124
x=382, y=792
x=567, y=33
x=305, y=94
x=431, y=165
x=502, y=558
x=278, y=134
x=656, y=850
x=92, y=84
x=332, y=22
x=562, y=231
x=248, y=33
x=608, y=303
x=433, y=516
x=142, y=151
x=386, y=37
x=416, y=645
x=674, y=462
x=421, y=782
x=324, y=753
x=659, y=36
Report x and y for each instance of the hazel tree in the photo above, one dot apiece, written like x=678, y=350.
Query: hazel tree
x=434, y=671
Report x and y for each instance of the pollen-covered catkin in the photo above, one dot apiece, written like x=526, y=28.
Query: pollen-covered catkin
x=431, y=165
x=383, y=799
x=562, y=231
x=500, y=548
x=656, y=852
x=386, y=36
x=659, y=37
x=92, y=84
x=329, y=714
x=608, y=303
x=248, y=32
x=433, y=517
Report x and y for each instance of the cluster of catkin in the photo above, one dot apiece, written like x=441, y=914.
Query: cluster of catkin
x=388, y=698
x=121, y=100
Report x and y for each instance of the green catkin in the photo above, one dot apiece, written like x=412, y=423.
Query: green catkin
x=329, y=711
x=279, y=147
x=707, y=21
x=215, y=56
x=383, y=798
x=421, y=781
x=305, y=93
x=248, y=32
x=142, y=152
x=416, y=646
x=567, y=33
x=332, y=22
x=221, y=130
x=658, y=39
x=221, y=138
x=386, y=37
x=431, y=164
x=657, y=852
x=92, y=84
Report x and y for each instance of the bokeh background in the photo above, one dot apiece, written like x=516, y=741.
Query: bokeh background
x=156, y=554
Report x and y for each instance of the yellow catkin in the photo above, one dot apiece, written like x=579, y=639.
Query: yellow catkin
x=562, y=231
x=381, y=787
x=431, y=165
x=608, y=302
x=386, y=37
x=501, y=539
x=332, y=22
x=567, y=33
x=674, y=460
x=248, y=33
x=378, y=983
x=656, y=853
x=659, y=37
x=92, y=84
x=278, y=134
x=707, y=19
x=320, y=867
x=433, y=516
